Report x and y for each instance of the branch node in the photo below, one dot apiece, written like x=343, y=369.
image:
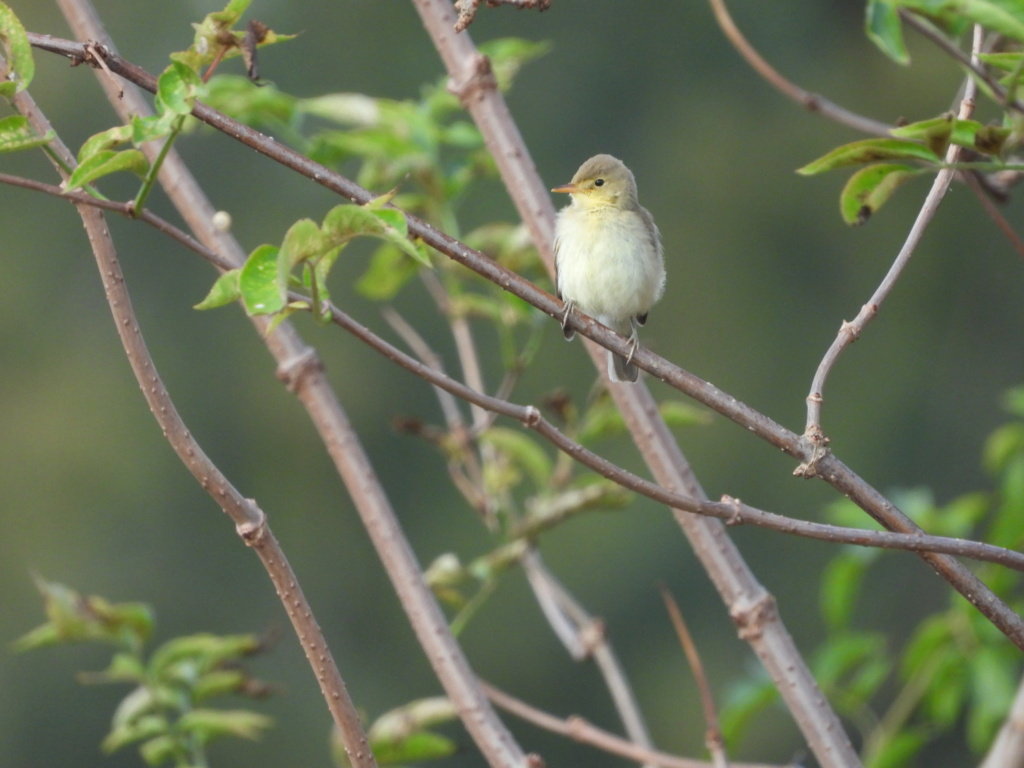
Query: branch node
x=751, y=616
x=531, y=416
x=474, y=81
x=533, y=760
x=816, y=441
x=592, y=636
x=253, y=532
x=736, y=518
x=293, y=371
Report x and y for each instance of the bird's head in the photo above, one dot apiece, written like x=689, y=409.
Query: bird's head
x=602, y=181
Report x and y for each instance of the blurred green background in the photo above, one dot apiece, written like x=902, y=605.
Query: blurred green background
x=761, y=273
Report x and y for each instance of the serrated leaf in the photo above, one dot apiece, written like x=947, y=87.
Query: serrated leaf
x=869, y=151
x=224, y=291
x=16, y=134
x=869, y=189
x=259, y=283
x=884, y=29
x=105, y=163
x=18, y=52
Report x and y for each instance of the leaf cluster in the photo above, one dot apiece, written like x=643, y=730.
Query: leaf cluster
x=165, y=713
x=918, y=148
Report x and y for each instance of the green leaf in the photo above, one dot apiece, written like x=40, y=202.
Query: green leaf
x=1005, y=17
x=869, y=189
x=217, y=683
x=899, y=751
x=344, y=222
x=259, y=283
x=1013, y=401
x=993, y=675
x=869, y=151
x=225, y=290
x=415, y=748
x=76, y=618
x=744, y=701
x=1002, y=446
x=105, y=163
x=302, y=241
x=677, y=413
x=389, y=270
x=510, y=54
x=884, y=29
x=840, y=587
x=16, y=134
x=178, y=88
x=17, y=50
x=209, y=724
x=207, y=649
x=137, y=729
x=523, y=451
x=104, y=141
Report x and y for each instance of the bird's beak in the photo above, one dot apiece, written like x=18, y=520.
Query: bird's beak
x=567, y=189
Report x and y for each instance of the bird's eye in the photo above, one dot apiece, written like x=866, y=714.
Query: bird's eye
x=599, y=183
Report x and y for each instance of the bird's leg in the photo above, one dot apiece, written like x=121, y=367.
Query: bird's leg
x=635, y=338
x=569, y=305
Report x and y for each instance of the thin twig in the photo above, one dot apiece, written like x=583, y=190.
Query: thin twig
x=579, y=729
x=969, y=62
x=585, y=636
x=713, y=738
x=994, y=213
x=850, y=331
x=810, y=101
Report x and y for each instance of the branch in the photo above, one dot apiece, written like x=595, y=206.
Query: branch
x=579, y=729
x=729, y=510
x=467, y=8
x=810, y=101
x=850, y=331
x=970, y=63
x=250, y=521
x=826, y=465
x=713, y=736
x=718, y=554
x=298, y=367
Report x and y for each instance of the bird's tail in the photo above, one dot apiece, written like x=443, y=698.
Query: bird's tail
x=620, y=370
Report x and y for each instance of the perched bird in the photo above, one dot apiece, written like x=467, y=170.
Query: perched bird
x=608, y=256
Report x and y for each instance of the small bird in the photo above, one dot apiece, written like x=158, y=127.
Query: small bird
x=608, y=255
